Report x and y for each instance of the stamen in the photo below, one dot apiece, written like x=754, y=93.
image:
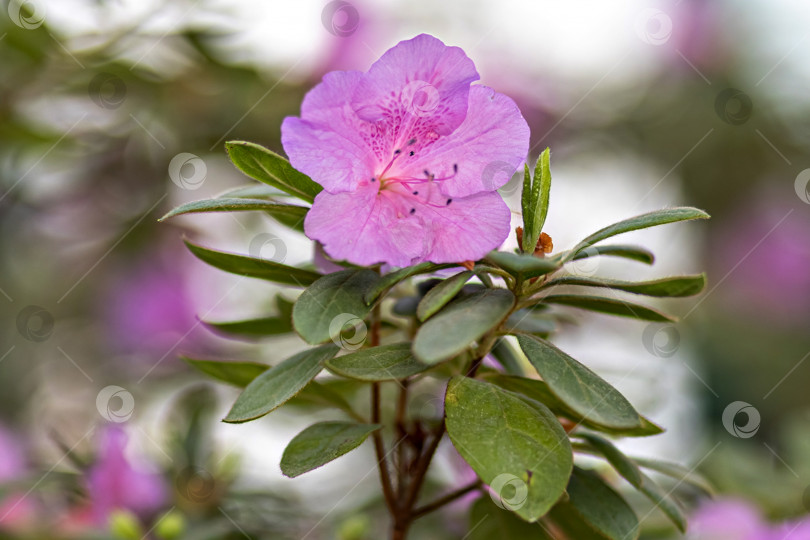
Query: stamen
x=373, y=179
x=413, y=210
x=416, y=193
x=449, y=201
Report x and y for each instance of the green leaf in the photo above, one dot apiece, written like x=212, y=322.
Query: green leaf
x=523, y=266
x=541, y=187
x=236, y=373
x=514, y=444
x=507, y=357
x=664, y=502
x=488, y=521
x=324, y=308
x=253, y=191
x=677, y=286
x=623, y=464
x=581, y=389
x=321, y=443
x=438, y=296
x=253, y=328
x=594, y=510
x=265, y=166
x=650, y=219
x=255, y=268
x=678, y=472
x=634, y=253
x=646, y=429
x=292, y=216
x=385, y=363
x=529, y=321
x=392, y=278
x=609, y=306
x=279, y=383
x=528, y=209
x=462, y=322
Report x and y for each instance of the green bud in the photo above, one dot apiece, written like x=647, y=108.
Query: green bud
x=125, y=525
x=170, y=526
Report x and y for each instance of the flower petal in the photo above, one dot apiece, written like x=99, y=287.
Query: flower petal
x=364, y=228
x=488, y=147
x=420, y=81
x=327, y=143
x=464, y=229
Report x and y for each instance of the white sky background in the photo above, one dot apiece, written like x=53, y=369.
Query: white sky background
x=566, y=54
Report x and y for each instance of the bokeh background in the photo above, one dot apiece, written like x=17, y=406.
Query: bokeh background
x=114, y=111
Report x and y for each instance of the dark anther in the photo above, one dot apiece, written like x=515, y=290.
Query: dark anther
x=412, y=141
x=449, y=201
x=416, y=193
x=397, y=151
x=455, y=167
x=413, y=210
x=411, y=153
x=427, y=173
x=373, y=179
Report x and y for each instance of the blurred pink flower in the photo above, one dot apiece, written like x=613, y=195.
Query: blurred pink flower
x=16, y=509
x=407, y=154
x=733, y=519
x=114, y=483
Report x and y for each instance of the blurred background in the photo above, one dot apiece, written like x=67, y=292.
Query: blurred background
x=114, y=111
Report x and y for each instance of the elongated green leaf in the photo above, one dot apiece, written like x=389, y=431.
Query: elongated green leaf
x=272, y=169
x=462, y=322
x=594, y=507
x=578, y=387
x=236, y=373
x=286, y=213
x=279, y=383
x=321, y=443
x=623, y=464
x=678, y=472
x=526, y=320
x=255, y=268
x=253, y=191
x=514, y=444
x=438, y=296
x=524, y=266
x=650, y=219
x=541, y=187
x=489, y=522
x=634, y=253
x=528, y=210
x=335, y=300
x=252, y=328
x=646, y=429
x=609, y=306
x=392, y=278
x=677, y=286
x=385, y=363
x=664, y=502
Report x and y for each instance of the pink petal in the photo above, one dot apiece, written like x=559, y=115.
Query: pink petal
x=363, y=228
x=327, y=143
x=420, y=79
x=466, y=229
x=488, y=147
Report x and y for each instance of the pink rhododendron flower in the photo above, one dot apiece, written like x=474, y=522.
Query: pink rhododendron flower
x=410, y=156
x=731, y=519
